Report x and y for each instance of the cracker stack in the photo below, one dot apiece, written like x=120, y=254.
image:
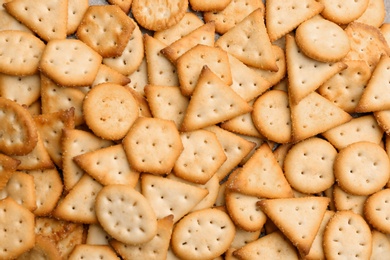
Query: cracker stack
x=193, y=129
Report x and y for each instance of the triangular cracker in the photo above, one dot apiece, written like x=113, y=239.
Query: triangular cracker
x=315, y=114
x=248, y=41
x=47, y=18
x=169, y=196
x=108, y=165
x=107, y=74
x=212, y=102
x=204, y=34
x=376, y=95
x=301, y=69
x=79, y=204
x=304, y=218
x=262, y=176
x=284, y=17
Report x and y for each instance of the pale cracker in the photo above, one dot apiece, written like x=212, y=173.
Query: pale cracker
x=244, y=237
x=380, y=245
x=8, y=22
x=96, y=235
x=274, y=77
x=76, y=11
x=385, y=30
x=280, y=152
x=343, y=12
x=116, y=203
x=90, y=252
x=345, y=201
x=24, y=90
x=139, y=78
x=107, y=74
x=376, y=210
x=375, y=13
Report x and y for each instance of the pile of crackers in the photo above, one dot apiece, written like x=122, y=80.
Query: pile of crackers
x=193, y=129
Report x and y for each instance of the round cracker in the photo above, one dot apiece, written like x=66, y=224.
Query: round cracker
x=343, y=11
x=376, y=210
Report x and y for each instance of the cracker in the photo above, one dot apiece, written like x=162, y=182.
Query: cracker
x=170, y=196
x=167, y=102
x=108, y=165
x=274, y=77
x=203, y=234
x=25, y=90
x=70, y=62
x=48, y=189
x=363, y=128
x=271, y=116
x=385, y=30
x=156, y=248
x=346, y=87
x=376, y=208
x=8, y=22
x=204, y=35
x=362, y=168
x=232, y=14
x=106, y=29
x=322, y=40
x=380, y=245
x=132, y=54
x=262, y=176
x=96, y=235
x=156, y=15
x=300, y=67
x=190, y=65
x=107, y=74
x=284, y=17
x=117, y=112
x=160, y=70
x=212, y=102
x=374, y=14
x=308, y=165
x=18, y=131
x=343, y=232
x=315, y=114
x=346, y=201
x=17, y=225
x=21, y=189
x=273, y=246
x=8, y=167
x=125, y=5
x=201, y=157
x=76, y=11
x=205, y=6
x=20, y=53
x=160, y=142
x=139, y=78
x=48, y=19
x=243, y=237
x=305, y=217
x=90, y=252
x=44, y=248
x=116, y=203
x=343, y=12
x=249, y=42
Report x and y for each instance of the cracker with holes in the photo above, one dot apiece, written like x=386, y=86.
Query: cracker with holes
x=204, y=35
x=375, y=96
x=8, y=22
x=49, y=190
x=21, y=188
x=212, y=102
x=76, y=11
x=362, y=168
x=343, y=12
x=110, y=110
x=190, y=65
x=380, y=245
x=363, y=128
x=300, y=67
x=167, y=102
x=201, y=157
x=248, y=41
x=283, y=18
x=376, y=210
x=108, y=165
x=157, y=15
x=84, y=251
x=375, y=13
x=383, y=120
x=48, y=19
x=139, y=78
x=18, y=131
x=8, y=167
x=153, y=145
x=96, y=235
x=25, y=90
x=17, y=225
x=322, y=40
x=107, y=74
x=75, y=142
x=203, y=234
x=232, y=14
x=305, y=217
x=346, y=87
x=274, y=77
x=155, y=248
x=131, y=56
x=315, y=114
x=70, y=62
x=343, y=232
x=79, y=204
x=345, y=201
x=243, y=237
x=125, y=214
x=44, y=248
x=20, y=53
x=271, y=116
x=106, y=29
x=308, y=165
x=367, y=43
x=160, y=70
x=170, y=196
